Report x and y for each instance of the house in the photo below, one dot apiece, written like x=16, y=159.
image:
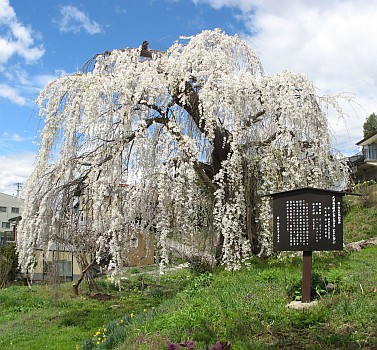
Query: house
x=60, y=263
x=10, y=211
x=364, y=164
x=10, y=216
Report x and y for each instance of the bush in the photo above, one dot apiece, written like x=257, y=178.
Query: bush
x=368, y=198
x=8, y=264
x=199, y=265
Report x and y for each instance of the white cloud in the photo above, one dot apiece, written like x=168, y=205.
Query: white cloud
x=11, y=94
x=16, y=41
x=244, y=5
x=73, y=20
x=332, y=42
x=42, y=79
x=120, y=10
x=15, y=38
x=22, y=88
x=16, y=169
x=6, y=136
x=17, y=138
x=7, y=14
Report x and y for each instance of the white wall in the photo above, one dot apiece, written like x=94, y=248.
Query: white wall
x=8, y=202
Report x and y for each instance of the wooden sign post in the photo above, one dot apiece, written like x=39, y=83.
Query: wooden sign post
x=307, y=220
x=306, y=276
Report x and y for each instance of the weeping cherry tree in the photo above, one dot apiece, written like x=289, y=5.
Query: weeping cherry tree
x=170, y=144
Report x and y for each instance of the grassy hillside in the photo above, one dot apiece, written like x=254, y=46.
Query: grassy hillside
x=247, y=308
x=360, y=219
x=50, y=317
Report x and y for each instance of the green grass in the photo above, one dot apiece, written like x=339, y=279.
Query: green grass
x=35, y=319
x=360, y=221
x=247, y=308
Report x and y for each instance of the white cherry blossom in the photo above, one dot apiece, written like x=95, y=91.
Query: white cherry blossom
x=182, y=143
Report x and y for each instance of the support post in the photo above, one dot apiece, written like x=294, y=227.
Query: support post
x=306, y=276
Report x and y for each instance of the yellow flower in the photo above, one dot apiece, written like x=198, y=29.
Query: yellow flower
x=98, y=343
x=105, y=330
x=132, y=314
x=145, y=310
x=121, y=321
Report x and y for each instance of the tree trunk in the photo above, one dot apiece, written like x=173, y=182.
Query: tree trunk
x=221, y=144
x=251, y=198
x=219, y=249
x=86, y=272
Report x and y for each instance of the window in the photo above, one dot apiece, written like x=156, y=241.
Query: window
x=65, y=268
x=134, y=242
x=7, y=236
x=15, y=210
x=3, y=209
x=370, y=151
x=5, y=225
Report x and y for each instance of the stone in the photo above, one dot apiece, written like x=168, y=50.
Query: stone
x=298, y=305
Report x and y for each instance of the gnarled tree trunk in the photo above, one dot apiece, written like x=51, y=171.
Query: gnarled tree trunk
x=86, y=272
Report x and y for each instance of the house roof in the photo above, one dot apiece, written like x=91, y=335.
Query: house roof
x=367, y=140
x=16, y=218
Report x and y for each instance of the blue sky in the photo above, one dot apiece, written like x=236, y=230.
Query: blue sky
x=333, y=42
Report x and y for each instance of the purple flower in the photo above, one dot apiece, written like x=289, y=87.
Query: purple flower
x=190, y=344
x=171, y=346
x=218, y=346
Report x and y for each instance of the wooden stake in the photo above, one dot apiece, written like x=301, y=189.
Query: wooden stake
x=306, y=276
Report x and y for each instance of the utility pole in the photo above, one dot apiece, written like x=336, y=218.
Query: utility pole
x=18, y=188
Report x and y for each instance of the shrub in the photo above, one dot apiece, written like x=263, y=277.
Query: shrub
x=368, y=198
x=199, y=265
x=8, y=263
x=157, y=292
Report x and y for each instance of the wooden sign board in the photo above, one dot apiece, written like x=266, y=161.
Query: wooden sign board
x=307, y=219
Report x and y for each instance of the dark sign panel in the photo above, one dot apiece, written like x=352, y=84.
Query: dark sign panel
x=308, y=219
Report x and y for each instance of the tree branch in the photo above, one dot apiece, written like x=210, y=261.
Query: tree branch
x=222, y=137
